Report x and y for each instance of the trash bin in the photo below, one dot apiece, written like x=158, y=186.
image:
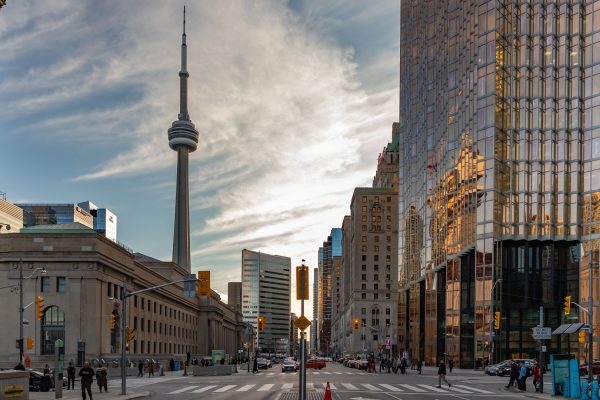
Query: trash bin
x=584, y=390
x=176, y=366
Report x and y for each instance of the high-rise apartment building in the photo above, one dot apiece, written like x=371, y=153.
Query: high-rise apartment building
x=266, y=293
x=234, y=295
x=499, y=181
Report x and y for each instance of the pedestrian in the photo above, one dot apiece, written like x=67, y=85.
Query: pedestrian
x=450, y=365
x=150, y=368
x=87, y=377
x=71, y=376
x=101, y=379
x=255, y=366
x=419, y=366
x=522, y=382
x=403, y=364
x=514, y=374
x=141, y=369
x=171, y=364
x=395, y=364
x=537, y=373
x=442, y=374
x=46, y=370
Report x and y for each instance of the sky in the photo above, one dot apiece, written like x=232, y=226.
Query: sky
x=294, y=100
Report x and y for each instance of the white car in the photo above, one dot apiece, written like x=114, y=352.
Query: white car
x=289, y=365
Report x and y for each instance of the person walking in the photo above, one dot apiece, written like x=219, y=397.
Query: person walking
x=522, y=382
x=255, y=366
x=87, y=377
x=46, y=370
x=514, y=374
x=150, y=368
x=537, y=372
x=140, y=369
x=71, y=376
x=442, y=374
x=101, y=378
x=419, y=366
x=450, y=365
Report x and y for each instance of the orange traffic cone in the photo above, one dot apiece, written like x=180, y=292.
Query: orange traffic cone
x=327, y=392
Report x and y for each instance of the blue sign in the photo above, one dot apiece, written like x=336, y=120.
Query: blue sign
x=575, y=391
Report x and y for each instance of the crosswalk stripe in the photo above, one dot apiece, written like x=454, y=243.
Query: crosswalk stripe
x=185, y=389
x=225, y=388
x=316, y=373
x=475, y=389
x=271, y=373
x=434, y=388
x=326, y=373
x=349, y=386
x=204, y=389
x=265, y=387
x=459, y=390
x=390, y=387
x=413, y=388
x=349, y=373
x=331, y=386
x=310, y=385
x=245, y=388
x=338, y=373
x=287, y=386
x=371, y=387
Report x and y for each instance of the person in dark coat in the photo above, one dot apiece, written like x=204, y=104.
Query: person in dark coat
x=87, y=377
x=514, y=374
x=403, y=365
x=521, y=383
x=450, y=365
x=255, y=366
x=101, y=379
x=71, y=376
x=442, y=374
x=140, y=369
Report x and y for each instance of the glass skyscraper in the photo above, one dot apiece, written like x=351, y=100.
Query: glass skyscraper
x=499, y=173
x=266, y=292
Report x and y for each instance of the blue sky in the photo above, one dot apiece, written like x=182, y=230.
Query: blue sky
x=293, y=101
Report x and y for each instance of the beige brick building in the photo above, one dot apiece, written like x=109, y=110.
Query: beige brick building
x=82, y=289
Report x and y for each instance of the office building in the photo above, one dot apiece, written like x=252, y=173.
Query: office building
x=315, y=320
x=11, y=216
x=55, y=214
x=234, y=295
x=105, y=221
x=266, y=293
x=329, y=257
x=498, y=183
x=294, y=338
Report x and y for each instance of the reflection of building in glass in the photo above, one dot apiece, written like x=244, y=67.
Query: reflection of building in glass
x=329, y=257
x=266, y=292
x=499, y=142
x=315, y=322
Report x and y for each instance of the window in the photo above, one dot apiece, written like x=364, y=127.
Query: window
x=387, y=322
x=363, y=218
x=376, y=277
x=60, y=284
x=45, y=284
x=363, y=239
x=108, y=289
x=363, y=296
x=364, y=286
x=149, y=326
x=364, y=277
x=142, y=325
x=375, y=296
x=387, y=268
x=375, y=286
x=143, y=303
x=376, y=267
x=387, y=311
x=135, y=301
x=364, y=248
x=388, y=277
x=375, y=337
x=149, y=305
x=364, y=257
x=134, y=322
x=376, y=249
x=154, y=307
x=376, y=238
x=53, y=328
x=363, y=228
x=364, y=267
x=364, y=199
x=363, y=311
x=376, y=257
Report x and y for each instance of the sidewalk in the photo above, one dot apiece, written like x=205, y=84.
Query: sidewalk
x=76, y=394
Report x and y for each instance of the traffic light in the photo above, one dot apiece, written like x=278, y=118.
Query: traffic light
x=567, y=305
x=29, y=343
x=582, y=337
x=113, y=321
x=39, y=307
x=356, y=324
x=497, y=315
x=128, y=334
x=261, y=323
x=203, y=283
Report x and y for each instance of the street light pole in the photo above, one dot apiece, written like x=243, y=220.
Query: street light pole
x=491, y=357
x=21, y=309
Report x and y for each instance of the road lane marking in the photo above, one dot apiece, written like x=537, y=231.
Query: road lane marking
x=265, y=387
x=349, y=373
x=371, y=387
x=390, y=387
x=327, y=373
x=316, y=373
x=204, y=389
x=287, y=386
x=331, y=386
x=349, y=386
x=434, y=388
x=185, y=389
x=459, y=390
x=338, y=373
x=413, y=388
x=475, y=389
x=245, y=388
x=271, y=373
x=225, y=388
x=310, y=385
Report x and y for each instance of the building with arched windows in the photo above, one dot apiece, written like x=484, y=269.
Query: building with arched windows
x=82, y=291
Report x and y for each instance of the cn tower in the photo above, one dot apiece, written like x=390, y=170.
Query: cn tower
x=183, y=138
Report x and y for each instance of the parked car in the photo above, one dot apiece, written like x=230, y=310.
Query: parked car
x=493, y=369
x=505, y=369
x=362, y=364
x=583, y=369
x=40, y=383
x=261, y=363
x=289, y=365
x=315, y=363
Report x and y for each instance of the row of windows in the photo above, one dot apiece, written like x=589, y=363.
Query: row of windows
x=388, y=268
x=375, y=248
x=376, y=239
x=387, y=296
x=376, y=199
x=388, y=257
x=157, y=347
x=46, y=282
x=151, y=327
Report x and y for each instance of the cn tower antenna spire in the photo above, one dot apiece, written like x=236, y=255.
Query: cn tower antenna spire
x=183, y=138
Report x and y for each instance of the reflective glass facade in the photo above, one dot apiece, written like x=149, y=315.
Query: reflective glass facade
x=266, y=292
x=499, y=171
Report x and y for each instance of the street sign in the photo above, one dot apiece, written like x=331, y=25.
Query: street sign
x=388, y=342
x=544, y=349
x=189, y=286
x=542, y=333
x=302, y=286
x=302, y=323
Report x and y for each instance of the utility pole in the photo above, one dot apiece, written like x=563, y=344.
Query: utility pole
x=21, y=309
x=491, y=356
x=541, y=355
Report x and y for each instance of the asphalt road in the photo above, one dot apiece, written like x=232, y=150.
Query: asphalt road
x=345, y=384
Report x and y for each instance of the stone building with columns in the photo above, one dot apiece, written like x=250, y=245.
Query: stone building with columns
x=81, y=290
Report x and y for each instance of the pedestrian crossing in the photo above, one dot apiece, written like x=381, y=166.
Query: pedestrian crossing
x=342, y=386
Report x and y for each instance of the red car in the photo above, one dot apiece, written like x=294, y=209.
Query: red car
x=315, y=363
